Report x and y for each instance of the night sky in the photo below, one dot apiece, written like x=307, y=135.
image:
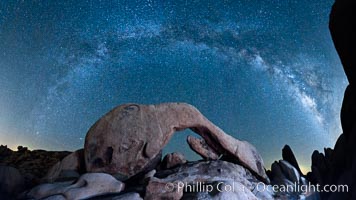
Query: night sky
x=264, y=71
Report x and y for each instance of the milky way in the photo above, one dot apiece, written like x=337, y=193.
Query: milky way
x=264, y=72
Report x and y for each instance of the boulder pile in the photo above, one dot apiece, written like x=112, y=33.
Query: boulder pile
x=337, y=166
x=122, y=158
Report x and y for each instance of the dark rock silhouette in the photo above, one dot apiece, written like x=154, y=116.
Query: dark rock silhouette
x=284, y=173
x=342, y=27
x=33, y=165
x=288, y=155
x=26, y=165
x=338, y=166
x=11, y=181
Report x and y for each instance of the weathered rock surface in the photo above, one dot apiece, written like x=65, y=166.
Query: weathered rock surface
x=232, y=191
x=88, y=185
x=213, y=172
x=202, y=148
x=158, y=190
x=68, y=168
x=126, y=139
x=277, y=177
x=290, y=172
x=173, y=160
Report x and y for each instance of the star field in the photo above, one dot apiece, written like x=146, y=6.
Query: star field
x=265, y=72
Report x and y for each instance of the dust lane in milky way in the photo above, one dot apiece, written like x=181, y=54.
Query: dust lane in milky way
x=265, y=72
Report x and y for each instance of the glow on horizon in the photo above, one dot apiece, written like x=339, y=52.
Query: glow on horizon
x=304, y=169
x=12, y=143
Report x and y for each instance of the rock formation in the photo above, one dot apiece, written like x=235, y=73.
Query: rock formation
x=88, y=185
x=288, y=155
x=338, y=166
x=32, y=165
x=210, y=173
x=68, y=168
x=173, y=160
x=137, y=133
x=121, y=159
x=285, y=174
x=202, y=148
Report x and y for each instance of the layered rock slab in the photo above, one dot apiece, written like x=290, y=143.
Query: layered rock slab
x=88, y=185
x=190, y=179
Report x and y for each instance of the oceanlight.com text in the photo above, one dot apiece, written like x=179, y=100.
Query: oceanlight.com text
x=260, y=187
